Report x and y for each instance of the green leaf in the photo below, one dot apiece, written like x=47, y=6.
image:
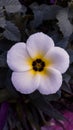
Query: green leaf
x=11, y=6
x=12, y=32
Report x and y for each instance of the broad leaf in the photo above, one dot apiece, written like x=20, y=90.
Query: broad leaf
x=66, y=77
x=12, y=32
x=2, y=18
x=63, y=22
x=63, y=43
x=43, y=12
x=11, y=6
x=70, y=51
x=49, y=11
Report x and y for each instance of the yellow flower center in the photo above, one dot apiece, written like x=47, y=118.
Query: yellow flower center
x=38, y=65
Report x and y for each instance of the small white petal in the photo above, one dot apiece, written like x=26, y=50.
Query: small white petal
x=39, y=43
x=51, y=82
x=17, y=57
x=25, y=82
x=59, y=58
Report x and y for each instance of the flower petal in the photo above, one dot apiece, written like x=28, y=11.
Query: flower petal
x=51, y=82
x=17, y=57
x=59, y=58
x=39, y=43
x=25, y=82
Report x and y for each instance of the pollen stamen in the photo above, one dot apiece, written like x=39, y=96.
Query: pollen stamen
x=38, y=65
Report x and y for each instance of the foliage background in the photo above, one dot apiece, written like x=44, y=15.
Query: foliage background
x=18, y=20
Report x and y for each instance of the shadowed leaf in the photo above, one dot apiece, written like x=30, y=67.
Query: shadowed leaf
x=11, y=6
x=3, y=60
x=63, y=22
x=2, y=18
x=12, y=32
x=47, y=108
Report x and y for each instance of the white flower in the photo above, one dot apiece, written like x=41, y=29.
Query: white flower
x=38, y=64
